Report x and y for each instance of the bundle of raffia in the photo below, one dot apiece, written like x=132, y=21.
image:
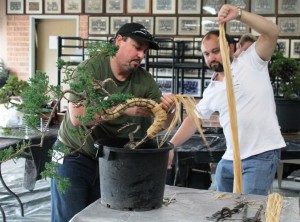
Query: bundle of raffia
x=237, y=166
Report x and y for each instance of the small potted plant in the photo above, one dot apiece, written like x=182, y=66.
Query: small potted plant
x=285, y=77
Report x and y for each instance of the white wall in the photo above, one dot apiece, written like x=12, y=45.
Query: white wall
x=3, y=35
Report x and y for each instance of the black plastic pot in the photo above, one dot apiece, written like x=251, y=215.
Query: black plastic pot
x=132, y=179
x=288, y=113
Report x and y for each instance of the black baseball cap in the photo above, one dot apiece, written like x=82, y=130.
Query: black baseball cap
x=138, y=32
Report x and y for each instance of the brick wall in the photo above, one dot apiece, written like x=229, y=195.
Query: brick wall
x=18, y=43
x=18, y=46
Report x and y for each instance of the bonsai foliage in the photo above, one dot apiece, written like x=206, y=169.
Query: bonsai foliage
x=287, y=72
x=13, y=88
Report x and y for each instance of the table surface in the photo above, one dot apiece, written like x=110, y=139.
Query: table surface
x=189, y=205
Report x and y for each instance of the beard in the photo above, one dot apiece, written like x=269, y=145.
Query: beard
x=217, y=67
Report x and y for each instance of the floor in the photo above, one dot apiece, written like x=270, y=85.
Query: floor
x=37, y=202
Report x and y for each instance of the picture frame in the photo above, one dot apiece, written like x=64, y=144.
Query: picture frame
x=263, y=7
x=117, y=22
x=147, y=22
x=138, y=6
x=52, y=7
x=192, y=87
x=189, y=7
x=165, y=25
x=211, y=7
x=295, y=48
x=289, y=26
x=272, y=19
x=115, y=6
x=165, y=85
x=163, y=7
x=236, y=27
x=72, y=6
x=98, y=25
x=93, y=6
x=208, y=24
x=243, y=4
x=14, y=7
x=34, y=6
x=197, y=46
x=189, y=25
x=283, y=46
x=288, y=7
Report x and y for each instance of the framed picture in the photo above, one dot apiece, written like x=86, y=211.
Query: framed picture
x=163, y=6
x=283, y=46
x=212, y=7
x=295, y=48
x=197, y=46
x=98, y=25
x=189, y=26
x=138, y=6
x=72, y=6
x=289, y=26
x=191, y=87
x=34, y=6
x=15, y=7
x=288, y=7
x=165, y=72
x=263, y=7
x=93, y=6
x=117, y=22
x=165, y=25
x=208, y=24
x=272, y=19
x=235, y=27
x=243, y=4
x=165, y=85
x=189, y=7
x=52, y=7
x=114, y=6
x=145, y=21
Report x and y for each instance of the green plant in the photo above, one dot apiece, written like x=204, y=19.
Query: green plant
x=285, y=73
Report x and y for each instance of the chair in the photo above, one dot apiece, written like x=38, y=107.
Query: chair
x=280, y=169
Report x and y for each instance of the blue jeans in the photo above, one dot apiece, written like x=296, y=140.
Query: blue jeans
x=84, y=188
x=258, y=173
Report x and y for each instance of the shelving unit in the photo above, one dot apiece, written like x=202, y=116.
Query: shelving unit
x=178, y=65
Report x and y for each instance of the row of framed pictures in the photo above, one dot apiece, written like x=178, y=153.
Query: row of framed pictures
x=191, y=87
x=208, y=7
x=187, y=26
x=289, y=48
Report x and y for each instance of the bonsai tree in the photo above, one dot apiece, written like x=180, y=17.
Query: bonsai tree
x=285, y=75
x=97, y=100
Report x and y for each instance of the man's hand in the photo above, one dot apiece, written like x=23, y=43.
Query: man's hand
x=171, y=156
x=168, y=102
x=227, y=13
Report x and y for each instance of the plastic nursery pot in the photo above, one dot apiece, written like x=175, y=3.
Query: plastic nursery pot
x=132, y=180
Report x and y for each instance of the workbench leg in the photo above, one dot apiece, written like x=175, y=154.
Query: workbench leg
x=3, y=214
x=12, y=193
x=279, y=174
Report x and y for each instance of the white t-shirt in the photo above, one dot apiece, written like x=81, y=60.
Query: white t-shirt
x=258, y=128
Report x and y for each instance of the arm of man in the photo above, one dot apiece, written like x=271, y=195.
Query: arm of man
x=268, y=30
x=185, y=132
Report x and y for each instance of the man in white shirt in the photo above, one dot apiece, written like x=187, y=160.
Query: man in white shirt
x=260, y=138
